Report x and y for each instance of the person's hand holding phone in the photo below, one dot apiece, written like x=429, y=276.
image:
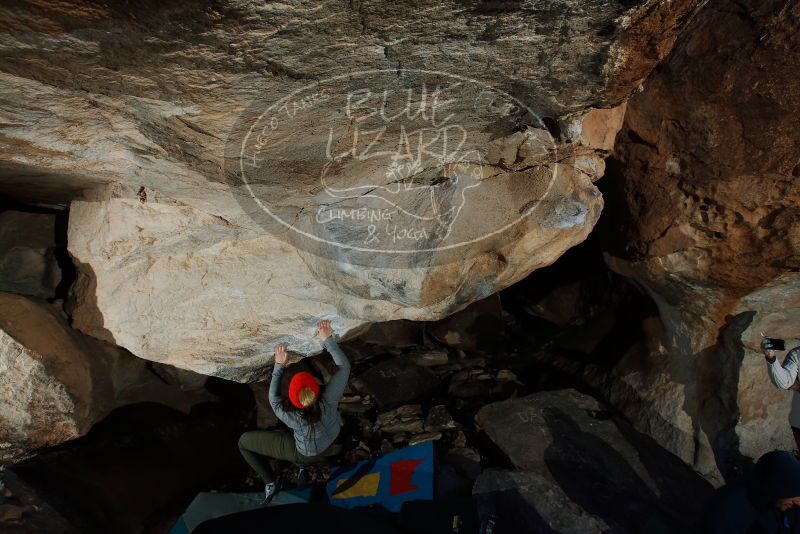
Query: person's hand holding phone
x=766, y=348
x=770, y=345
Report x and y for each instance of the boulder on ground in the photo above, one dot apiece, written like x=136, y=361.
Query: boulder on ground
x=527, y=501
x=439, y=418
x=396, y=381
x=406, y=418
x=583, y=469
x=478, y=383
x=55, y=382
x=428, y=357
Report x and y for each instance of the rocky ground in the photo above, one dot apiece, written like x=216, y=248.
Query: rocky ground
x=493, y=386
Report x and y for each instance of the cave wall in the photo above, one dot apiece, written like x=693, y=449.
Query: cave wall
x=706, y=189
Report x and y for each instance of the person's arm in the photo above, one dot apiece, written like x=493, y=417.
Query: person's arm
x=783, y=375
x=338, y=382
x=275, y=385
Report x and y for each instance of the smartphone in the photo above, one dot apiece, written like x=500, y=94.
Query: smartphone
x=777, y=344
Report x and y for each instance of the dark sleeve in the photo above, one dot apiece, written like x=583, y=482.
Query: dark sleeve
x=335, y=388
x=730, y=512
x=274, y=397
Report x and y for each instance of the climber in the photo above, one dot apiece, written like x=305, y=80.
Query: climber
x=785, y=376
x=311, y=414
x=764, y=501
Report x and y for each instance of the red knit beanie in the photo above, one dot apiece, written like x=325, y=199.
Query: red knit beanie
x=299, y=381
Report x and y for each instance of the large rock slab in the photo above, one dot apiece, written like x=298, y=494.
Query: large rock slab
x=583, y=469
x=528, y=500
x=215, y=297
x=708, y=224
x=56, y=382
x=143, y=119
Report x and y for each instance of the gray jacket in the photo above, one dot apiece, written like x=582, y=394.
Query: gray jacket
x=785, y=377
x=312, y=439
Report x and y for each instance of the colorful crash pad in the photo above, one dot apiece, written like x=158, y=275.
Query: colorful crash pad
x=389, y=481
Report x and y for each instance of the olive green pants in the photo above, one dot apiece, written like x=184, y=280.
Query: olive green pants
x=259, y=445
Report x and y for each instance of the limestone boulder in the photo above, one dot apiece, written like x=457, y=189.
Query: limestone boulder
x=445, y=123
x=581, y=468
x=706, y=221
x=176, y=285
x=57, y=382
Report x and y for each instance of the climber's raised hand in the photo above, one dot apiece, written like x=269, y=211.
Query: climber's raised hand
x=324, y=331
x=280, y=353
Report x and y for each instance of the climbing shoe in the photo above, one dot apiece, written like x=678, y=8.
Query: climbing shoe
x=270, y=489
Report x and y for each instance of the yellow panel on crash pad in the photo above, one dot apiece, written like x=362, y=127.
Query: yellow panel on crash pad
x=367, y=486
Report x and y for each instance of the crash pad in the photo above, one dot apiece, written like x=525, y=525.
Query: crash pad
x=210, y=505
x=389, y=480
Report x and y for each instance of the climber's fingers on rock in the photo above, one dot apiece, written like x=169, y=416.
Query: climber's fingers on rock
x=280, y=352
x=323, y=330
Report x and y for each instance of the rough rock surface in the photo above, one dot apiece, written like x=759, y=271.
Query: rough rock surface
x=476, y=328
x=56, y=382
x=215, y=298
x=583, y=469
x=23, y=511
x=381, y=380
x=130, y=111
x=708, y=219
x=397, y=334
x=27, y=258
x=525, y=499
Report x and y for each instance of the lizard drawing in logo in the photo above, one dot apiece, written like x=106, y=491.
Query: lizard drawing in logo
x=422, y=175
